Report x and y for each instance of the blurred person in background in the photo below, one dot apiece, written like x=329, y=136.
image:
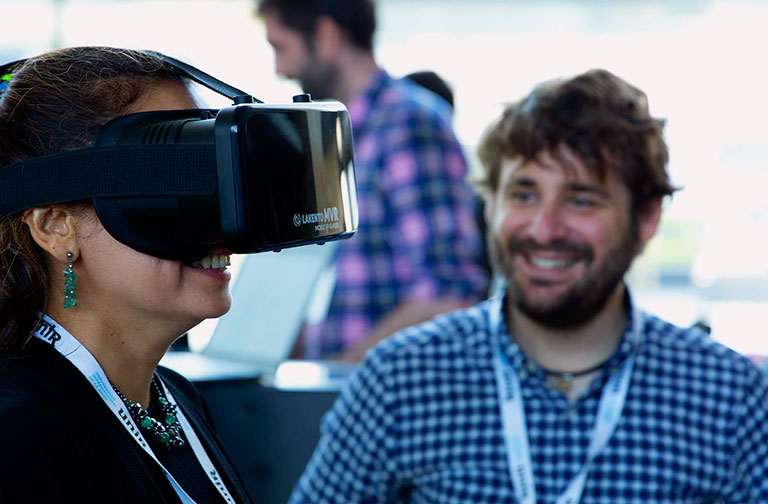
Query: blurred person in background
x=417, y=251
x=433, y=82
x=86, y=413
x=561, y=390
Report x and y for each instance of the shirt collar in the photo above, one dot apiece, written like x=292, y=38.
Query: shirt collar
x=359, y=108
x=630, y=341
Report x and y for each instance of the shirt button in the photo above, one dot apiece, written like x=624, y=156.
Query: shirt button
x=522, y=375
x=571, y=412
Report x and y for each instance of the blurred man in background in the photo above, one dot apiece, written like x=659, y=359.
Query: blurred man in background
x=561, y=390
x=430, y=80
x=417, y=251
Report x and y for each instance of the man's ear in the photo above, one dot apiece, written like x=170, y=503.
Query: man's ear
x=328, y=38
x=54, y=229
x=488, y=202
x=648, y=219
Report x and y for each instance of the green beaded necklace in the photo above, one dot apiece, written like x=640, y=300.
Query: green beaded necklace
x=167, y=432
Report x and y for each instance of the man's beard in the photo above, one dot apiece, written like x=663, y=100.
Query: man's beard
x=584, y=299
x=319, y=80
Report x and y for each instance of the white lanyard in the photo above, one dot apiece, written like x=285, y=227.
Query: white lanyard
x=63, y=342
x=515, y=428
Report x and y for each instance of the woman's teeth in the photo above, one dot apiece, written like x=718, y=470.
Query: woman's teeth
x=215, y=261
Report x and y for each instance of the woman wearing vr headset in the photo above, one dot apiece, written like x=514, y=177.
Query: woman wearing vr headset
x=86, y=414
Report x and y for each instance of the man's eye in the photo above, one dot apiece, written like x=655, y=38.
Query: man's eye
x=522, y=196
x=582, y=202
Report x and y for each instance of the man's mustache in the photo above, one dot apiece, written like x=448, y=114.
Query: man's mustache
x=528, y=246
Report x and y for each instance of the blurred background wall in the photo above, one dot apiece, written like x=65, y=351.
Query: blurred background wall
x=702, y=64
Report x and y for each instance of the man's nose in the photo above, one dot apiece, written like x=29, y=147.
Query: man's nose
x=279, y=70
x=548, y=224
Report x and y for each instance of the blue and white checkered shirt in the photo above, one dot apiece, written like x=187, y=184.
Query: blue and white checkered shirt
x=419, y=422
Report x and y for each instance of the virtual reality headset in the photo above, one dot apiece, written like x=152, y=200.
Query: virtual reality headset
x=179, y=184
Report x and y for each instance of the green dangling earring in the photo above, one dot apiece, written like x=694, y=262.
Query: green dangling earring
x=70, y=284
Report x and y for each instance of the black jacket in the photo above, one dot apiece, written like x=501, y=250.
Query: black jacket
x=60, y=443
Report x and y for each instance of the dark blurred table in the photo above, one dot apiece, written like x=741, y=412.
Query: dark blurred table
x=269, y=424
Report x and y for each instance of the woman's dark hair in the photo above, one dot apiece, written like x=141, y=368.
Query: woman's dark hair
x=600, y=117
x=56, y=102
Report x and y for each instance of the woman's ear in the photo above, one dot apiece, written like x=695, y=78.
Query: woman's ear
x=54, y=229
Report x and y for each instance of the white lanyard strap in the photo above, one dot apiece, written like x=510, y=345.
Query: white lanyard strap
x=197, y=447
x=66, y=344
x=514, y=424
x=515, y=431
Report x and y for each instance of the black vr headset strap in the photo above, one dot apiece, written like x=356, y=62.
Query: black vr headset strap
x=207, y=80
x=110, y=171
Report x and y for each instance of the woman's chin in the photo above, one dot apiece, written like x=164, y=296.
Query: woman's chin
x=222, y=309
x=213, y=309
